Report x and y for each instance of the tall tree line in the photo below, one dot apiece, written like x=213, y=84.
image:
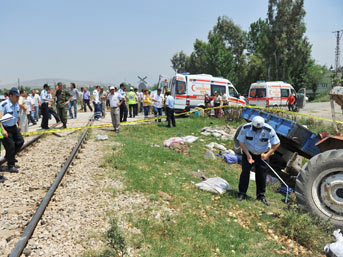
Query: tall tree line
x=273, y=49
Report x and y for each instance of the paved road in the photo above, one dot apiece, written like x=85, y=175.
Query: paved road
x=322, y=109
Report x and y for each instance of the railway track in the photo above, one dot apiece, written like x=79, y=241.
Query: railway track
x=21, y=195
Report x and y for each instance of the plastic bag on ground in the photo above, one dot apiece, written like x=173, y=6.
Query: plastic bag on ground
x=230, y=158
x=101, y=137
x=337, y=247
x=190, y=139
x=215, y=185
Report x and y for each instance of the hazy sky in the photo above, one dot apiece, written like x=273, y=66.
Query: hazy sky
x=114, y=41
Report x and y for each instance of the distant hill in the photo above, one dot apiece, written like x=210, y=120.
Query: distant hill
x=38, y=83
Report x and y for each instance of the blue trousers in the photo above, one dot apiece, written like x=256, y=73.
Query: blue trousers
x=35, y=113
x=146, y=111
x=72, y=103
x=158, y=113
x=97, y=110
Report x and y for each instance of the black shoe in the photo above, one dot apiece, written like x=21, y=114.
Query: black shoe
x=15, y=160
x=11, y=169
x=241, y=197
x=263, y=200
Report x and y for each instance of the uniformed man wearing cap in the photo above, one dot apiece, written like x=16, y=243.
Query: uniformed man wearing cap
x=45, y=100
x=63, y=98
x=12, y=139
x=258, y=142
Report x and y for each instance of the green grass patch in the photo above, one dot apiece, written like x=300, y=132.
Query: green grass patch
x=202, y=224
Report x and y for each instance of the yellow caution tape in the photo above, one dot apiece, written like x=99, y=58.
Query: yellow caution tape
x=49, y=131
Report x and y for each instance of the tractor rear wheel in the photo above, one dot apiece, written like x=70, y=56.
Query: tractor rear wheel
x=319, y=186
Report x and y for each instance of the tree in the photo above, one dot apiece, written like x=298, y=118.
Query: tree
x=288, y=48
x=179, y=62
x=315, y=73
x=257, y=38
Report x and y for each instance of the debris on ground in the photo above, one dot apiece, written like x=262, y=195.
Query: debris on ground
x=224, y=133
x=171, y=140
x=336, y=248
x=101, y=137
x=155, y=145
x=210, y=155
x=180, y=148
x=231, y=158
x=190, y=139
x=215, y=185
x=181, y=140
x=283, y=190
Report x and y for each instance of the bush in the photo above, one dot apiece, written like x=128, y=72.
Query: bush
x=115, y=241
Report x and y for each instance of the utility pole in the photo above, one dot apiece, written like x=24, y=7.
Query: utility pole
x=337, y=52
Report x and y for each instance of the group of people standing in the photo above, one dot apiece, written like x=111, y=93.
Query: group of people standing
x=139, y=101
x=219, y=101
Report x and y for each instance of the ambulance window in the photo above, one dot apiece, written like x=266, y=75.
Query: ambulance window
x=258, y=92
x=284, y=92
x=220, y=89
x=293, y=92
x=180, y=87
x=233, y=92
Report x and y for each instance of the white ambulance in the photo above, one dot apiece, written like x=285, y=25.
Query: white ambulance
x=189, y=90
x=274, y=93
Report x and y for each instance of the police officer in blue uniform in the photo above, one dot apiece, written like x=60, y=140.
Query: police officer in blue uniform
x=258, y=142
x=45, y=100
x=12, y=140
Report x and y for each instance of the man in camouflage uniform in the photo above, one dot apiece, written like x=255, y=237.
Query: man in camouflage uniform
x=63, y=98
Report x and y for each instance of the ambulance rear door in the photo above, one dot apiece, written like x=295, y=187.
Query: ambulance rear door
x=197, y=89
x=258, y=95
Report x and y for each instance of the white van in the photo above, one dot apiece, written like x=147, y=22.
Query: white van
x=274, y=93
x=189, y=90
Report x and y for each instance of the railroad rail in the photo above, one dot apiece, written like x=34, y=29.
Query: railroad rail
x=21, y=244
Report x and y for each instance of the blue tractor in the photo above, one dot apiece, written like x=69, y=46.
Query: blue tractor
x=319, y=183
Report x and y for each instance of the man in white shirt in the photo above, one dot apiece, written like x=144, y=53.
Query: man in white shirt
x=36, y=104
x=96, y=102
x=116, y=101
x=158, y=104
x=29, y=101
